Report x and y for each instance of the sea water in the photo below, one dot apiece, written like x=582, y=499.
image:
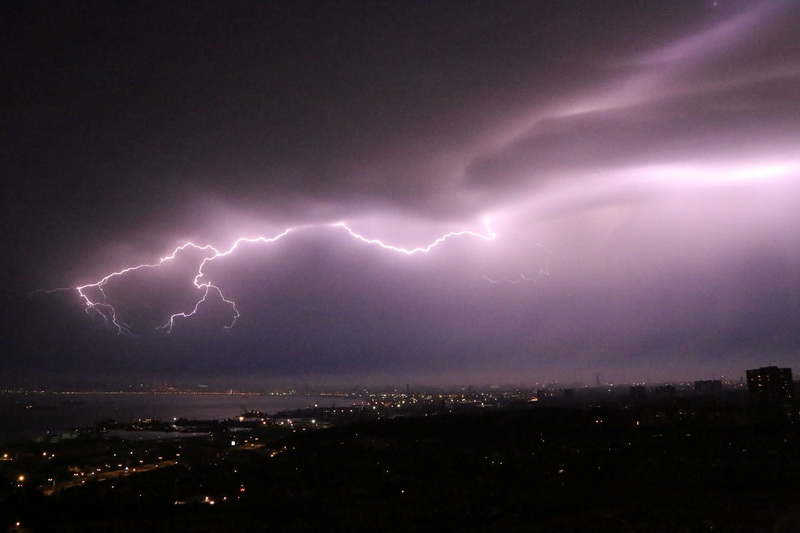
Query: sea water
x=26, y=415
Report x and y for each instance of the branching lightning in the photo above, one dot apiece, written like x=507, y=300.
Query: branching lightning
x=542, y=272
x=490, y=235
x=96, y=300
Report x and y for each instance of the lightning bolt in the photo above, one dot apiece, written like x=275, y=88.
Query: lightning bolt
x=490, y=235
x=543, y=271
x=95, y=299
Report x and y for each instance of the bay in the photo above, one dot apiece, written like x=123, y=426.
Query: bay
x=27, y=415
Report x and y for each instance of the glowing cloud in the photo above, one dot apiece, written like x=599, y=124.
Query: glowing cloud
x=95, y=296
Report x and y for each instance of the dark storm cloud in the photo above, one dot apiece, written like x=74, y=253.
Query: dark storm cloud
x=707, y=95
x=644, y=154
x=691, y=129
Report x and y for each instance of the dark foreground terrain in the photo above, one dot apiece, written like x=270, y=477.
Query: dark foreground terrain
x=548, y=469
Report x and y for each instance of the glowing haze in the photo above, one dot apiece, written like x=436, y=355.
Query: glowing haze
x=106, y=307
x=300, y=190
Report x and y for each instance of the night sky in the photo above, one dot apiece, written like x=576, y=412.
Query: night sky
x=638, y=163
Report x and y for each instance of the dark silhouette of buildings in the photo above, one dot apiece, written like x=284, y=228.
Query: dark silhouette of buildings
x=665, y=391
x=708, y=387
x=771, y=391
x=638, y=392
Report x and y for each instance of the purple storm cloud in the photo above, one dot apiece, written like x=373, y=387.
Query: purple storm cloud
x=438, y=191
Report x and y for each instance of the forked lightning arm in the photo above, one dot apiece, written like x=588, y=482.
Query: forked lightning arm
x=105, y=308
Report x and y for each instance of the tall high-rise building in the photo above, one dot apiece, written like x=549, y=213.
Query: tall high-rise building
x=771, y=390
